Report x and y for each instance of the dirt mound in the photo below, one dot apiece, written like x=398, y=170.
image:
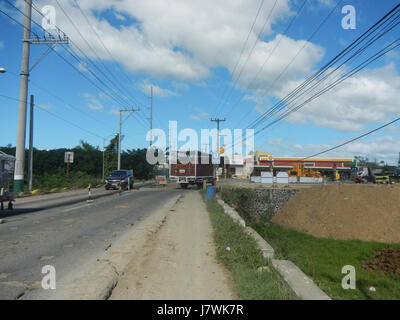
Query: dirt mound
x=387, y=262
x=365, y=212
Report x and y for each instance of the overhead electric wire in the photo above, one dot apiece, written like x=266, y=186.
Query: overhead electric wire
x=57, y=116
x=355, y=70
x=354, y=139
x=57, y=53
x=244, y=46
x=116, y=84
x=118, y=100
x=104, y=46
x=393, y=45
x=274, y=48
x=292, y=60
x=289, y=100
x=109, y=52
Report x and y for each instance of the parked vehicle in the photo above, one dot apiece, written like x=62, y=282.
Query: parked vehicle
x=120, y=179
x=6, y=169
x=195, y=171
x=366, y=174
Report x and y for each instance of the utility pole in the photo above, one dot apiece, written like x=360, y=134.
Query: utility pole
x=217, y=120
x=119, y=134
x=30, y=168
x=398, y=164
x=23, y=92
x=151, y=114
x=23, y=95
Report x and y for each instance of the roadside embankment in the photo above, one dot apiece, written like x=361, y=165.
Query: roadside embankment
x=253, y=275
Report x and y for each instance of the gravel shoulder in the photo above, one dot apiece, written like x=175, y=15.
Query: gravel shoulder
x=177, y=260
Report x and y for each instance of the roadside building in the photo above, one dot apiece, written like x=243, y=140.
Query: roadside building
x=265, y=161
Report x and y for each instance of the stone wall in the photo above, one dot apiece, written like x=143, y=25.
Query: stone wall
x=265, y=203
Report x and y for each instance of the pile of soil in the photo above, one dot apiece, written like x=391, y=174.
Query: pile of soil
x=387, y=262
x=364, y=212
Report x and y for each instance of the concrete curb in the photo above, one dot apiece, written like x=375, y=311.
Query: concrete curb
x=267, y=251
x=300, y=283
x=232, y=213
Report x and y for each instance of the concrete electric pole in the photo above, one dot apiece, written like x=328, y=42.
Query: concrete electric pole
x=23, y=92
x=30, y=164
x=217, y=120
x=119, y=134
x=151, y=114
x=23, y=95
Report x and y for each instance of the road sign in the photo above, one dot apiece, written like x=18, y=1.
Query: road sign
x=221, y=150
x=69, y=157
x=215, y=158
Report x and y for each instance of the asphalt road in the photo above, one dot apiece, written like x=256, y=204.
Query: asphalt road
x=67, y=236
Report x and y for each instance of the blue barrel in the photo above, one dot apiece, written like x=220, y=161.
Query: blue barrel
x=210, y=192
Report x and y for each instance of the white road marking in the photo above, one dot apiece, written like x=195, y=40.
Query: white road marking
x=74, y=208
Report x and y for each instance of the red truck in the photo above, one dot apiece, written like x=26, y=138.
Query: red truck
x=196, y=171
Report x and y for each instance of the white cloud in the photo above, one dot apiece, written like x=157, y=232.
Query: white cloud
x=119, y=16
x=184, y=40
x=92, y=102
x=200, y=114
x=195, y=118
x=145, y=87
x=45, y=106
x=83, y=67
x=370, y=97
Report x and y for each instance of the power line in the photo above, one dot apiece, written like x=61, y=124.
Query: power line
x=354, y=139
x=64, y=103
x=79, y=61
x=297, y=93
x=292, y=60
x=124, y=95
x=118, y=87
x=244, y=46
x=102, y=43
x=56, y=116
x=120, y=102
x=115, y=98
x=352, y=72
x=274, y=48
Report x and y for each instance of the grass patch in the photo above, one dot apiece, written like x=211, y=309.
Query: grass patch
x=244, y=259
x=323, y=259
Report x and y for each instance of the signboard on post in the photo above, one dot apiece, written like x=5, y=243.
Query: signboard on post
x=69, y=157
x=215, y=158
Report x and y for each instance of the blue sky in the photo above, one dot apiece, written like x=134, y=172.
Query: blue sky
x=187, y=51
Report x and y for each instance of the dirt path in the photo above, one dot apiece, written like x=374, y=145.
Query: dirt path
x=178, y=261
